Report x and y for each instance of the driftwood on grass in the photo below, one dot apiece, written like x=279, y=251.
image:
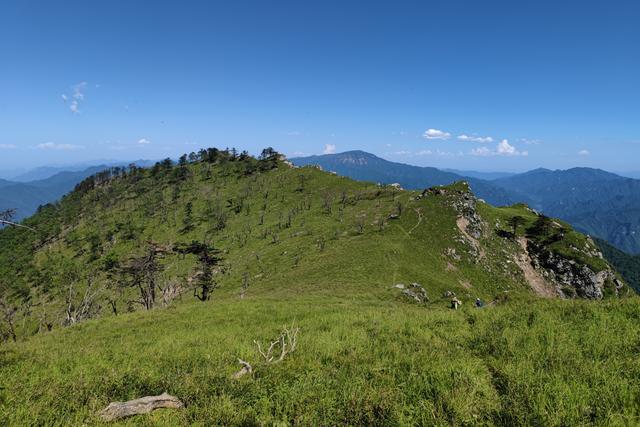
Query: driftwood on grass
x=144, y=405
x=246, y=369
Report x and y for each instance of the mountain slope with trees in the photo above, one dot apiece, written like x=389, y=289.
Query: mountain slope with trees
x=364, y=166
x=142, y=281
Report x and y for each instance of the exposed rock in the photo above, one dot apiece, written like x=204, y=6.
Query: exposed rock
x=572, y=279
x=416, y=292
x=144, y=405
x=465, y=205
x=451, y=253
x=399, y=286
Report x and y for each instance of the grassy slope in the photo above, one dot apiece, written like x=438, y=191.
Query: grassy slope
x=365, y=356
x=358, y=362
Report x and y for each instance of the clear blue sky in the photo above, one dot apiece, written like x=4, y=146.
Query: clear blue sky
x=491, y=85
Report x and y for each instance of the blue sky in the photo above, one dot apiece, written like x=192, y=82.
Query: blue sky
x=463, y=84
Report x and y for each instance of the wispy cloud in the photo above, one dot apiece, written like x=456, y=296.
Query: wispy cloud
x=584, y=153
x=293, y=133
x=7, y=146
x=329, y=149
x=438, y=152
x=144, y=141
x=436, y=134
x=77, y=96
x=60, y=147
x=527, y=141
x=473, y=138
x=502, y=149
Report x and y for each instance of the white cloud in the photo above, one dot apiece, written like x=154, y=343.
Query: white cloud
x=481, y=151
x=502, y=149
x=294, y=133
x=78, y=91
x=144, y=141
x=7, y=146
x=329, y=149
x=61, y=147
x=424, y=153
x=401, y=153
x=583, y=153
x=77, y=96
x=481, y=139
x=436, y=134
x=505, y=149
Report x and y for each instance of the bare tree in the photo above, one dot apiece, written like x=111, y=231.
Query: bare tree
x=8, y=311
x=6, y=219
x=245, y=284
x=170, y=291
x=285, y=344
x=84, y=308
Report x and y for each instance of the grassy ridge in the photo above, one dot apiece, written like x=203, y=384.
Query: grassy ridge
x=323, y=253
x=361, y=362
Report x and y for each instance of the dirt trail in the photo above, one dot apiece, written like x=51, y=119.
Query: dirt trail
x=532, y=276
x=419, y=213
x=462, y=224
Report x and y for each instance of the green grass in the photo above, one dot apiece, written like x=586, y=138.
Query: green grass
x=320, y=252
x=359, y=362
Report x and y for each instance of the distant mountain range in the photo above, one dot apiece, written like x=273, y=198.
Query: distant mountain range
x=594, y=201
x=25, y=197
x=31, y=189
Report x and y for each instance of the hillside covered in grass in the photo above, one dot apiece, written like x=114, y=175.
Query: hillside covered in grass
x=149, y=280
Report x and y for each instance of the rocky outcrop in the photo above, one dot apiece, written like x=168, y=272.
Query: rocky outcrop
x=464, y=203
x=572, y=278
x=415, y=292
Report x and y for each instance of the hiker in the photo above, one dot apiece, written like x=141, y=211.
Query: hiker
x=479, y=303
x=455, y=303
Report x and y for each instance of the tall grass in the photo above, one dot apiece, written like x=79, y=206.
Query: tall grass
x=366, y=362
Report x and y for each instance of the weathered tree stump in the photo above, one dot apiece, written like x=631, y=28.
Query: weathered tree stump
x=144, y=405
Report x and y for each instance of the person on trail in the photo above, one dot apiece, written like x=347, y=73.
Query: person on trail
x=455, y=303
x=479, y=303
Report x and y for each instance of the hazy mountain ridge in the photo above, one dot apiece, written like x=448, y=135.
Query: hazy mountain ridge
x=597, y=202
x=364, y=166
x=43, y=185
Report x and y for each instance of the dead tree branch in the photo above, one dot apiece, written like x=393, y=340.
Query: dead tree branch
x=286, y=343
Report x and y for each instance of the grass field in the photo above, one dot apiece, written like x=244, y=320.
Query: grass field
x=371, y=361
